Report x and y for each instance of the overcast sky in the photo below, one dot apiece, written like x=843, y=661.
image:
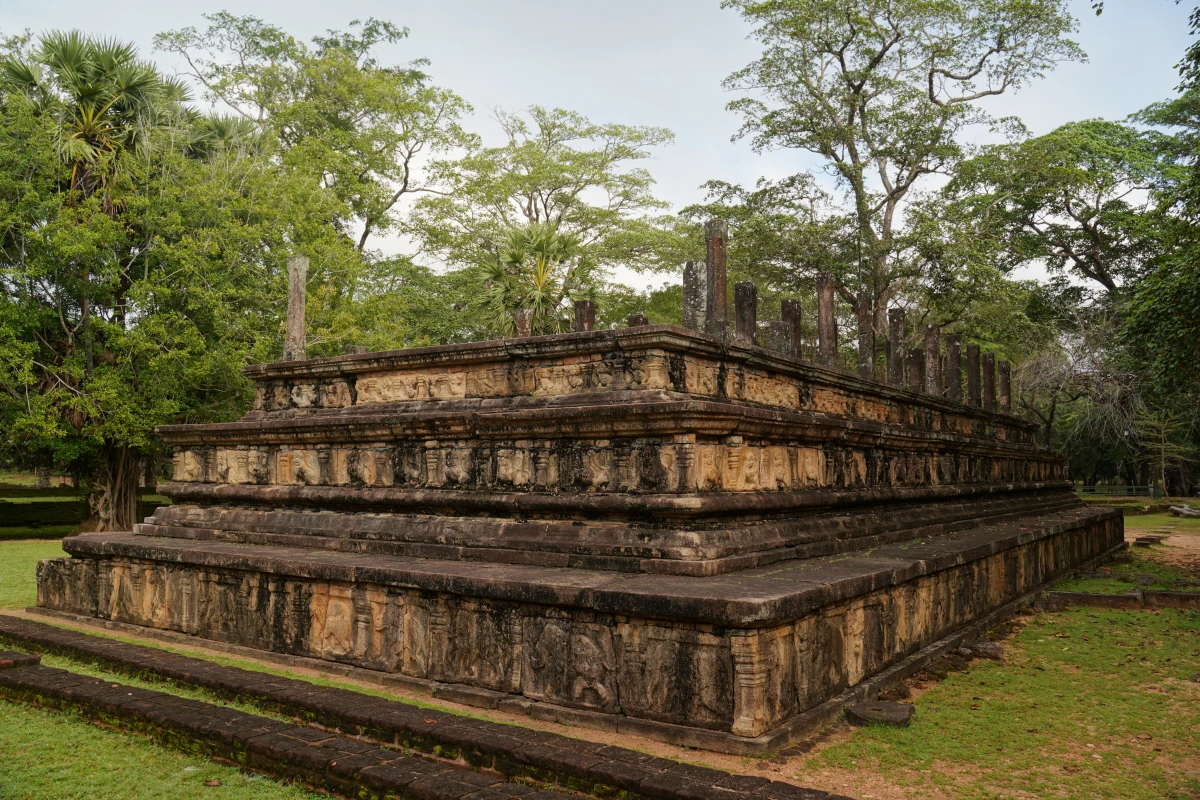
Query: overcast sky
x=643, y=62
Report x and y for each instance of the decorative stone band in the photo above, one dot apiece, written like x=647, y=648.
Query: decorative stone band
x=665, y=446
x=688, y=546
x=643, y=359
x=738, y=655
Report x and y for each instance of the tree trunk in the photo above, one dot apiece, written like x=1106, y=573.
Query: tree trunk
x=114, y=495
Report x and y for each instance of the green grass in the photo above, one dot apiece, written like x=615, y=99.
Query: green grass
x=50, y=755
x=1060, y=719
x=1143, y=563
x=18, y=575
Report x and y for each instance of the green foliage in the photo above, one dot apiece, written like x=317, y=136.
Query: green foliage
x=555, y=167
x=1075, y=199
x=359, y=127
x=881, y=90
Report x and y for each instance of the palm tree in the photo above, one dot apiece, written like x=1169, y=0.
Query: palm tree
x=107, y=102
x=531, y=287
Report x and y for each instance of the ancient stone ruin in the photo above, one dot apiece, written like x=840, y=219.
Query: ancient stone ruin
x=669, y=531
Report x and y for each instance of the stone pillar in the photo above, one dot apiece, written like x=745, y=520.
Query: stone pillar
x=933, y=360
x=779, y=337
x=896, y=347
x=585, y=316
x=745, y=304
x=954, y=367
x=294, y=341
x=989, y=381
x=716, y=234
x=1004, y=387
x=694, y=295
x=792, y=316
x=973, y=395
x=866, y=338
x=356, y=349
x=916, y=369
x=523, y=322
x=637, y=321
x=826, y=321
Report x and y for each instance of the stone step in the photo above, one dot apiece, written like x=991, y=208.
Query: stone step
x=322, y=759
x=513, y=752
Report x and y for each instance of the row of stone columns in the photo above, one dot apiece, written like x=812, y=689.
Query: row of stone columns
x=921, y=370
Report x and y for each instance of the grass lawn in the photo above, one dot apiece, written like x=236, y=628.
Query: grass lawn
x=1090, y=703
x=52, y=755
x=18, y=564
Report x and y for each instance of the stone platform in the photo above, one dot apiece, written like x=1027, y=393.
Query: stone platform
x=646, y=529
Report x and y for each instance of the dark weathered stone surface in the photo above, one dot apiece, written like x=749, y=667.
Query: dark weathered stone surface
x=745, y=304
x=826, y=321
x=11, y=658
x=974, y=397
x=694, y=295
x=896, y=348
x=716, y=235
x=646, y=530
x=792, y=313
x=954, y=368
x=882, y=712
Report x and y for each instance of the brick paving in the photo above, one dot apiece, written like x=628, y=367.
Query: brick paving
x=510, y=751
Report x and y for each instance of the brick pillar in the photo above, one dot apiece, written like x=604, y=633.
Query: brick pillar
x=989, y=381
x=585, y=316
x=637, y=321
x=896, y=347
x=745, y=304
x=973, y=395
x=954, y=367
x=916, y=369
x=826, y=321
x=294, y=342
x=1004, y=387
x=716, y=235
x=792, y=316
x=694, y=296
x=866, y=338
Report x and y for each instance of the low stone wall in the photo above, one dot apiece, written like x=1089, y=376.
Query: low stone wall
x=740, y=656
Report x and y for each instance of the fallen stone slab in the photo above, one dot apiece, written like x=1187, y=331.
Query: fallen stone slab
x=881, y=712
x=990, y=650
x=513, y=752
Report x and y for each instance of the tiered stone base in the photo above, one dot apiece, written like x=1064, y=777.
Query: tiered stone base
x=728, y=662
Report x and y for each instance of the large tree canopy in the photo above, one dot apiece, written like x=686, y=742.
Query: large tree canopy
x=362, y=126
x=881, y=90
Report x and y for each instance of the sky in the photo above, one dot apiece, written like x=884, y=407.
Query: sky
x=643, y=62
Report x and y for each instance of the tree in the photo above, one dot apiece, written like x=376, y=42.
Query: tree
x=531, y=288
x=881, y=90
x=136, y=283
x=1075, y=199
x=555, y=167
x=363, y=127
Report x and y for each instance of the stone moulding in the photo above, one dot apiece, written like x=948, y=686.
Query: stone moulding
x=737, y=655
x=644, y=526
